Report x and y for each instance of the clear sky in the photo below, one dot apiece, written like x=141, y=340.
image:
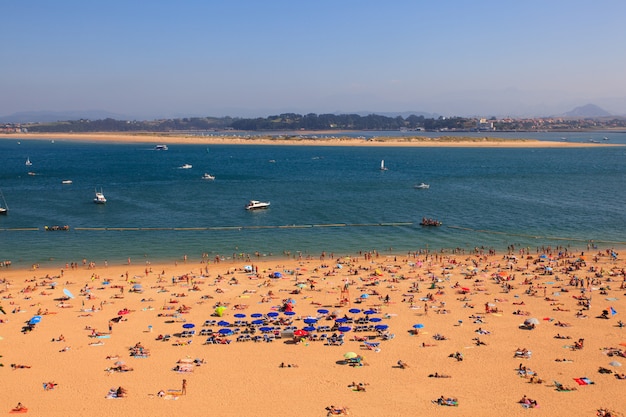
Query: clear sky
x=154, y=58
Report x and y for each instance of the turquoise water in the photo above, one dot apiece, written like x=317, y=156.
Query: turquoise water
x=332, y=199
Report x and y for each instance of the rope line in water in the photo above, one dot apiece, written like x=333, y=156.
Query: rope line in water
x=306, y=226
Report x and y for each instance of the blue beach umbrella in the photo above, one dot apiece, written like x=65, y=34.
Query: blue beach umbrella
x=289, y=313
x=310, y=320
x=344, y=329
x=239, y=315
x=272, y=314
x=381, y=327
x=368, y=312
x=68, y=293
x=355, y=310
x=188, y=326
x=322, y=311
x=266, y=329
x=341, y=320
x=375, y=319
x=309, y=328
x=256, y=315
x=258, y=322
x=225, y=331
x=34, y=320
x=223, y=323
x=418, y=326
x=365, y=295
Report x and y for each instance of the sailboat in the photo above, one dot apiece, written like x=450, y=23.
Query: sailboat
x=382, y=165
x=28, y=163
x=4, y=209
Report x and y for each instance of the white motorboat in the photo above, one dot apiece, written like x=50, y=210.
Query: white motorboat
x=161, y=148
x=208, y=176
x=66, y=182
x=256, y=205
x=99, y=198
x=186, y=166
x=422, y=186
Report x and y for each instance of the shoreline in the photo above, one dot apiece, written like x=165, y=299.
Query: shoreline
x=416, y=141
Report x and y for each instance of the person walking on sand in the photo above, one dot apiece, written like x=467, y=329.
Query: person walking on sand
x=184, y=388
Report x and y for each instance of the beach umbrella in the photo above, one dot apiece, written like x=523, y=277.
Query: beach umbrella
x=418, y=326
x=310, y=320
x=276, y=275
x=365, y=295
x=240, y=315
x=248, y=268
x=35, y=320
x=219, y=311
x=322, y=311
x=223, y=323
x=368, y=312
x=258, y=322
x=375, y=319
x=225, y=331
x=381, y=327
x=272, y=314
x=355, y=310
x=266, y=329
x=291, y=301
x=68, y=293
x=300, y=332
x=341, y=320
x=344, y=329
x=350, y=355
x=615, y=363
x=309, y=328
x=188, y=326
x=531, y=321
x=137, y=286
x=289, y=313
x=256, y=315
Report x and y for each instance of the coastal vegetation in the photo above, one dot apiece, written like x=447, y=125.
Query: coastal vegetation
x=320, y=122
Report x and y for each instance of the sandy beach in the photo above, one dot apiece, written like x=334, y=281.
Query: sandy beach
x=234, y=139
x=460, y=316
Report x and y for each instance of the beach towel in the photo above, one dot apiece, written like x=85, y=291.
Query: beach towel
x=21, y=411
x=583, y=381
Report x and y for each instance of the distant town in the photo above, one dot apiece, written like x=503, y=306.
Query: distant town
x=323, y=122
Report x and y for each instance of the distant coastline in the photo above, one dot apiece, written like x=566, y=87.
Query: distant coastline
x=233, y=139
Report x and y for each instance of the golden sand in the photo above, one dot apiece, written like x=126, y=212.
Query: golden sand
x=234, y=139
x=245, y=379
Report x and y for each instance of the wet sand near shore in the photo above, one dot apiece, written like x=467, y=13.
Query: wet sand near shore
x=470, y=306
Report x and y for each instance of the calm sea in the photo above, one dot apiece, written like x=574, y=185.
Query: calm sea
x=333, y=199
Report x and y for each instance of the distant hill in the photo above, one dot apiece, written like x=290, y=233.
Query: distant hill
x=54, y=116
x=588, y=110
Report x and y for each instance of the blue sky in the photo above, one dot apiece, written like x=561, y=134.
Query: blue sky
x=150, y=59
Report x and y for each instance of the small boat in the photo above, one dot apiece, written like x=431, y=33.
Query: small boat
x=31, y=173
x=161, y=148
x=208, y=176
x=421, y=186
x=430, y=222
x=28, y=163
x=56, y=228
x=382, y=165
x=4, y=209
x=99, y=198
x=186, y=166
x=256, y=205
x=66, y=182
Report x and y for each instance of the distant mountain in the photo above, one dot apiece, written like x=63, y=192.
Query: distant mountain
x=55, y=116
x=588, y=110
